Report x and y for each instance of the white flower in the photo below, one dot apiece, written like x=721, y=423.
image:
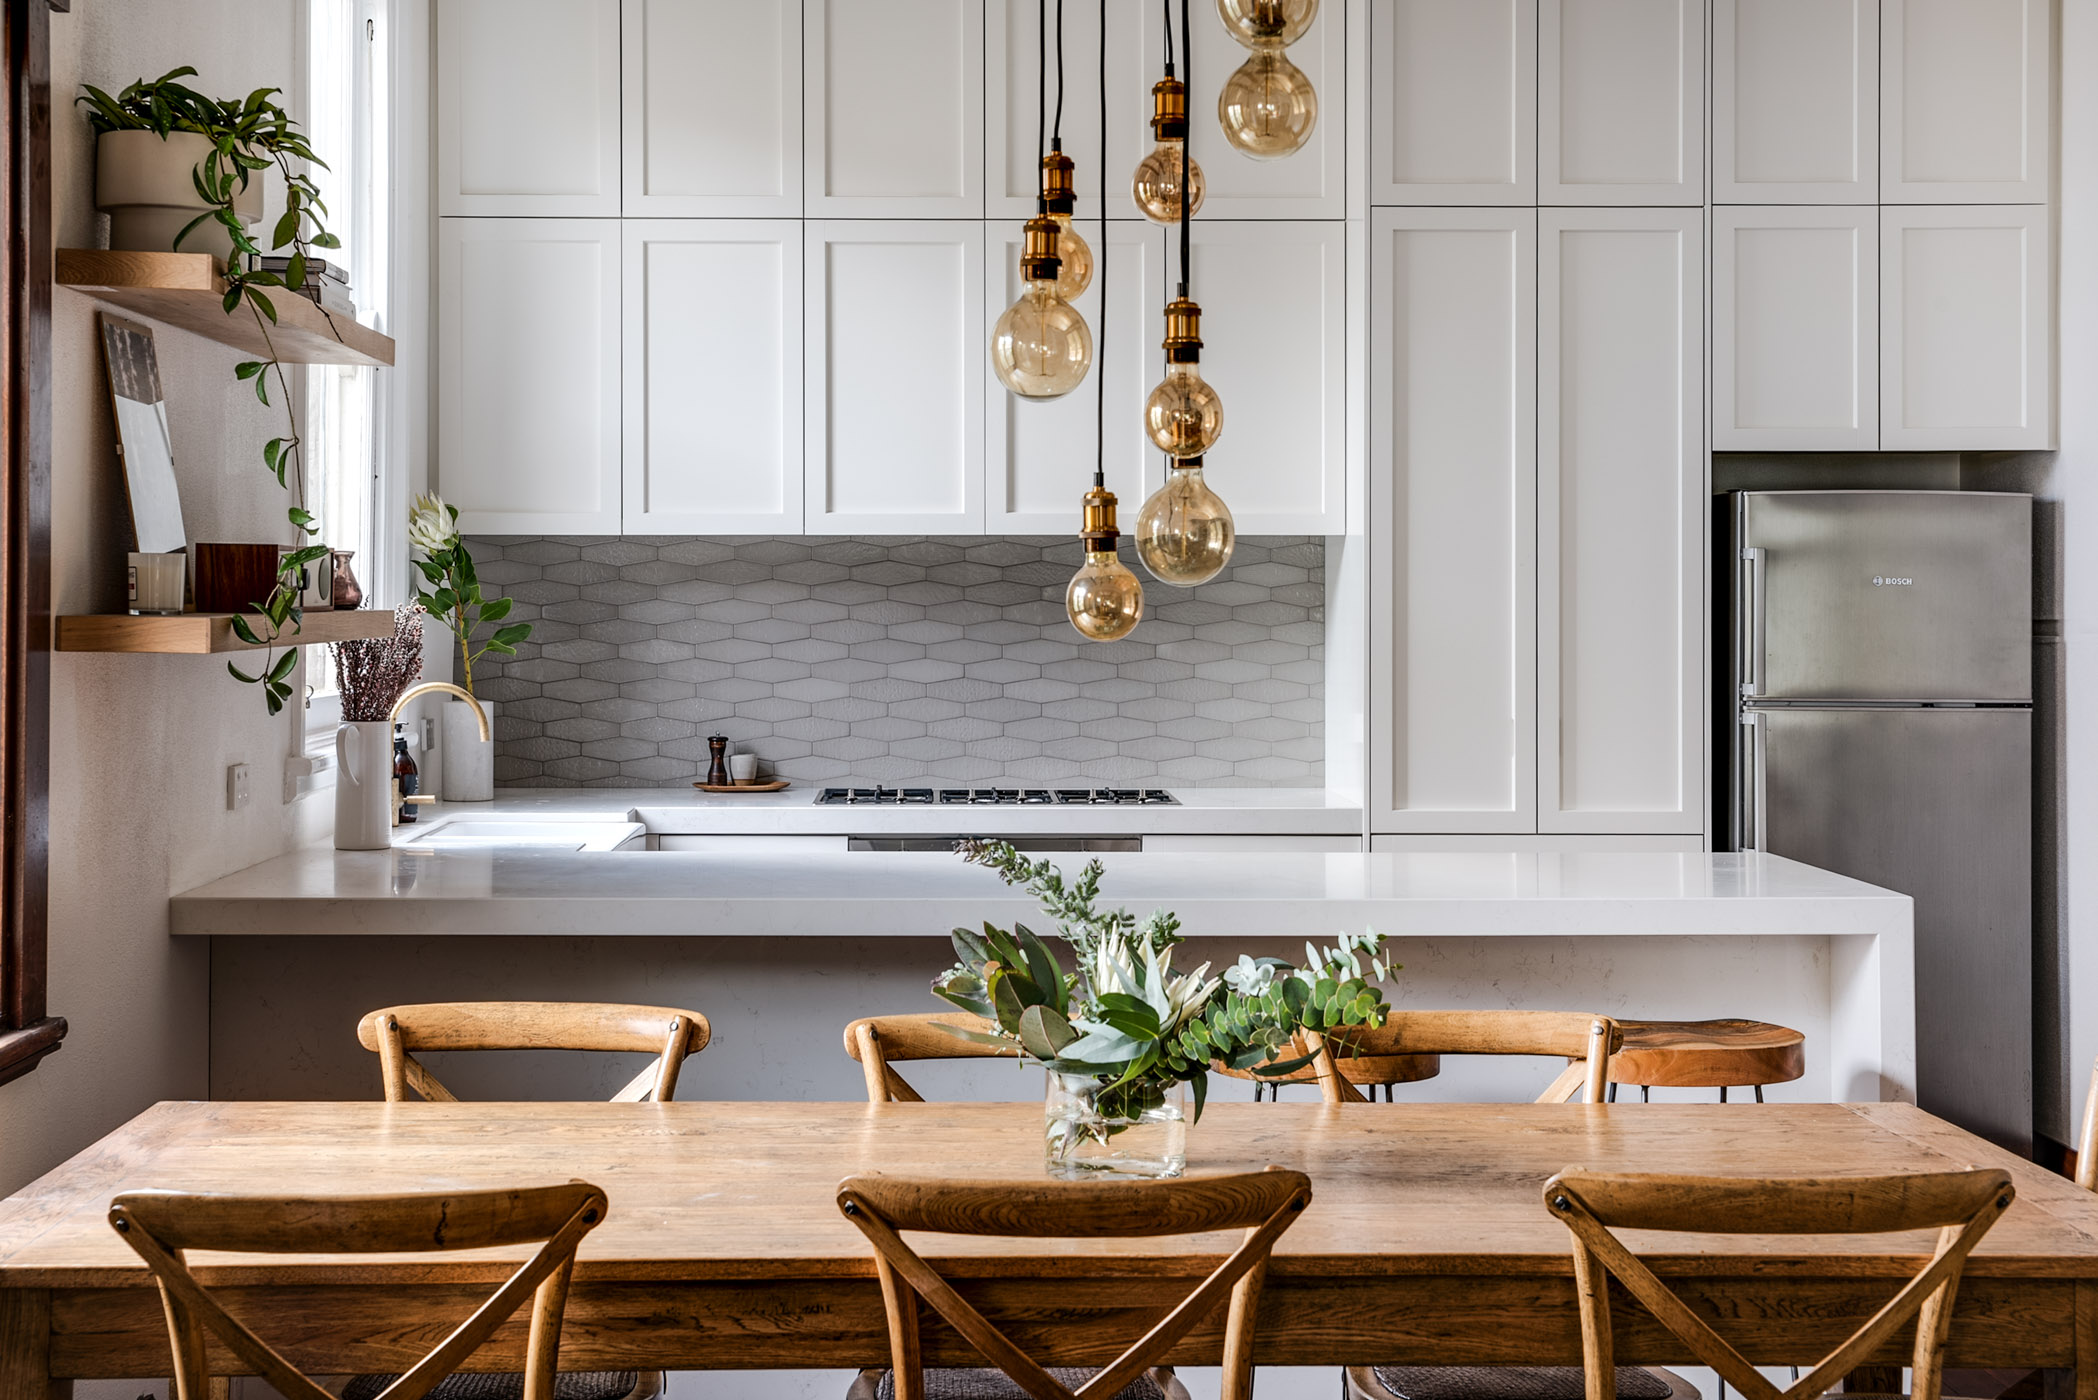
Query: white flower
x=1250, y=978
x=430, y=527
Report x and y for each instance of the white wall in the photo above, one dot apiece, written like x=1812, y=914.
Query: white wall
x=140, y=744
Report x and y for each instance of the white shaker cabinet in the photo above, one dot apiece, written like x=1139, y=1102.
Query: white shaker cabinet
x=1012, y=166
x=1966, y=329
x=1795, y=101
x=713, y=368
x=1621, y=102
x=896, y=354
x=528, y=107
x=528, y=356
x=1453, y=470
x=894, y=108
x=1966, y=101
x=732, y=150
x=1795, y=339
x=1621, y=521
x=1453, y=102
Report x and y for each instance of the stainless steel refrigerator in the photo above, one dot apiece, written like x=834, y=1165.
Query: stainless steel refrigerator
x=1879, y=714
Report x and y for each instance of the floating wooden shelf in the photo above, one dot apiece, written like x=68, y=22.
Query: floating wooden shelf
x=197, y=633
x=185, y=290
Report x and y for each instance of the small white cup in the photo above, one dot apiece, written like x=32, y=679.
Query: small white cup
x=743, y=767
x=156, y=582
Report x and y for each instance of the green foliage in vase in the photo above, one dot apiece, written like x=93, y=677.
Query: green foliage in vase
x=455, y=597
x=1123, y=1017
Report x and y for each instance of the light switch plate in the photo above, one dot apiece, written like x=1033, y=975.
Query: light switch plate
x=236, y=787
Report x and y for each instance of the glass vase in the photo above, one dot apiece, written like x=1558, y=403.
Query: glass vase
x=1090, y=1129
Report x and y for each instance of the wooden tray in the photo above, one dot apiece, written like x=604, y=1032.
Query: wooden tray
x=773, y=786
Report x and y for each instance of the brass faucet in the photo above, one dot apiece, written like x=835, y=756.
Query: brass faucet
x=480, y=716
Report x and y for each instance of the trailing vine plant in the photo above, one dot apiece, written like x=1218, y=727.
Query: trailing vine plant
x=248, y=136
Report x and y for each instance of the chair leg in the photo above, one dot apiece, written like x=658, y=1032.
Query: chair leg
x=1613, y=1091
x=1759, y=1099
x=1646, y=1093
x=1722, y=1093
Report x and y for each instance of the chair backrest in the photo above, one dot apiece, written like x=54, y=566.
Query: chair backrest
x=1960, y=1206
x=2087, y=1140
x=162, y=1226
x=1587, y=1042
x=1263, y=1204
x=396, y=1032
x=878, y=1042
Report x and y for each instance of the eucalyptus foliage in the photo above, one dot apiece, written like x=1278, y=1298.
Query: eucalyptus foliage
x=1123, y=1017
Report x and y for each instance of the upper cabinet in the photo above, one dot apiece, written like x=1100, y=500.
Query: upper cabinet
x=894, y=102
x=1453, y=102
x=1011, y=55
x=528, y=107
x=1795, y=349
x=1621, y=102
x=1967, y=98
x=735, y=154
x=1795, y=101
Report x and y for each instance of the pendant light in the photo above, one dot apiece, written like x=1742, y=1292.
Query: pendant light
x=1161, y=175
x=1184, y=532
x=1059, y=198
x=1104, y=600
x=1041, y=346
x=1267, y=24
x=1268, y=107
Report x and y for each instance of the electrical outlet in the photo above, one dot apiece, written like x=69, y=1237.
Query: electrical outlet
x=429, y=735
x=236, y=787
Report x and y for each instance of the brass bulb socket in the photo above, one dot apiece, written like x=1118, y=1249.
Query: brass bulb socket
x=1099, y=532
x=1169, y=109
x=1183, y=342
x=1184, y=464
x=1059, y=196
x=1038, y=259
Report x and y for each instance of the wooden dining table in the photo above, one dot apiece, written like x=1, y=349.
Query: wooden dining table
x=1427, y=1240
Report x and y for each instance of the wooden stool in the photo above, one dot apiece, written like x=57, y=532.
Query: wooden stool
x=1707, y=1055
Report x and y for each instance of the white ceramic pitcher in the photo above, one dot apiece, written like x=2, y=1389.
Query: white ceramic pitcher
x=364, y=785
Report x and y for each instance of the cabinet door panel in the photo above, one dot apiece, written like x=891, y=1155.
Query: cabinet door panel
x=1013, y=177
x=1795, y=352
x=896, y=360
x=1454, y=473
x=1453, y=102
x=736, y=154
x=1621, y=102
x=1795, y=101
x=713, y=377
x=1967, y=328
x=895, y=108
x=557, y=154
x=1621, y=508
x=528, y=374
x=1967, y=102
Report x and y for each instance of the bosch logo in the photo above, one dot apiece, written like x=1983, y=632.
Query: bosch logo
x=1889, y=581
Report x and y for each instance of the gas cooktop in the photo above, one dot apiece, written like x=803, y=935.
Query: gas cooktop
x=995, y=797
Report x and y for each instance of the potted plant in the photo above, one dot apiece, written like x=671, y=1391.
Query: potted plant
x=454, y=598
x=1124, y=1038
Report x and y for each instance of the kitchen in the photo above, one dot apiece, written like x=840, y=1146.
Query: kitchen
x=1515, y=336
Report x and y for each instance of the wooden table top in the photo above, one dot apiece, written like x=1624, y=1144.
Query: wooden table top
x=722, y=1190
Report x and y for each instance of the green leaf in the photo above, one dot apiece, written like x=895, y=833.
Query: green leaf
x=1005, y=999
x=283, y=667
x=286, y=230
x=295, y=274
x=248, y=369
x=262, y=304
x=326, y=240
x=242, y=676
x=242, y=630
x=1198, y=1085
x=443, y=601
x=188, y=229
x=496, y=611
x=1044, y=1033
x=232, y=300
x=299, y=558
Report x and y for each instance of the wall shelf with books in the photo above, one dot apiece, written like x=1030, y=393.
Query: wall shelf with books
x=200, y=633
x=185, y=290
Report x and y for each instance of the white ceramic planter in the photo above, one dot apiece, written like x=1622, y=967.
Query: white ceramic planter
x=364, y=786
x=469, y=760
x=144, y=184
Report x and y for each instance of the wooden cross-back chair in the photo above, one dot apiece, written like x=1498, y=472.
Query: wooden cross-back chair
x=1959, y=1206
x=880, y=1042
x=397, y=1032
x=1262, y=1204
x=164, y=1226
x=1585, y=1041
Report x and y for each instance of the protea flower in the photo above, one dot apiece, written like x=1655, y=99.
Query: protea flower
x=431, y=527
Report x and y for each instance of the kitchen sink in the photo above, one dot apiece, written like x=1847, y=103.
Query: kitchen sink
x=484, y=832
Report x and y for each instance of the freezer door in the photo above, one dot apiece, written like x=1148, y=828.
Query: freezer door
x=1884, y=595
x=1935, y=803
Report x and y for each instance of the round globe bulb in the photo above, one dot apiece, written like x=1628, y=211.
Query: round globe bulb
x=1074, y=272
x=1267, y=24
x=1156, y=186
x=1184, y=415
x=1267, y=108
x=1105, y=601
x=1184, y=533
x=1041, y=347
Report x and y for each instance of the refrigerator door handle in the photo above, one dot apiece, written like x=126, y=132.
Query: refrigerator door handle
x=1751, y=584
x=1752, y=803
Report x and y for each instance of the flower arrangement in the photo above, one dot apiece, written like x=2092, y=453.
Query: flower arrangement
x=433, y=529
x=374, y=671
x=1124, y=1018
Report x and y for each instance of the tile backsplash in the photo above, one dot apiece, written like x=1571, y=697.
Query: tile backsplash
x=898, y=659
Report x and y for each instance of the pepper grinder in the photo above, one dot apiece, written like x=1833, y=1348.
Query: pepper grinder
x=717, y=760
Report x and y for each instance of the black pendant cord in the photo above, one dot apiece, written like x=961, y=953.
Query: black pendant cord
x=1041, y=83
x=1100, y=279
x=1165, y=8
x=1056, y=131
x=1187, y=78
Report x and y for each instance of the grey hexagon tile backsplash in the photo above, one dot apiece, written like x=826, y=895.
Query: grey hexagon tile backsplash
x=899, y=659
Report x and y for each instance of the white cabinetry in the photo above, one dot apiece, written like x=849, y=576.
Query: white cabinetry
x=1795, y=349
x=1453, y=465
x=729, y=149
x=1795, y=101
x=1966, y=101
x=1621, y=102
x=1014, y=176
x=1453, y=102
x=895, y=367
x=895, y=108
x=1967, y=328
x=528, y=354
x=1621, y=511
x=528, y=107
x=713, y=370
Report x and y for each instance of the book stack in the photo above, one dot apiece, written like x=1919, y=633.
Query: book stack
x=327, y=283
